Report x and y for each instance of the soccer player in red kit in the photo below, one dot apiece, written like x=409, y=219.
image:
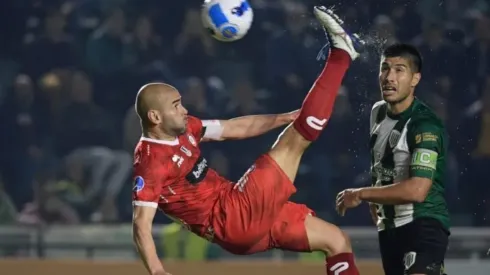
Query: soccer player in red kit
x=254, y=214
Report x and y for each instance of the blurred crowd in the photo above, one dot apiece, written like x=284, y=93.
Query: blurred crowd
x=70, y=70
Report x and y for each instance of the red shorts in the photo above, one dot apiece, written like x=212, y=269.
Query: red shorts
x=257, y=215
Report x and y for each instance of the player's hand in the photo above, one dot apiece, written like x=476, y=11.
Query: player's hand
x=349, y=198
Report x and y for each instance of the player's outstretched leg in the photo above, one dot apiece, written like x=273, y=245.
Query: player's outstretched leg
x=314, y=115
x=318, y=104
x=264, y=190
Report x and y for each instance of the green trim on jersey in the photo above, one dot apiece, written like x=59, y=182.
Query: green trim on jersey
x=410, y=144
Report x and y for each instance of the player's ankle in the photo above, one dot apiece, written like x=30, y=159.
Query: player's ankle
x=338, y=55
x=343, y=263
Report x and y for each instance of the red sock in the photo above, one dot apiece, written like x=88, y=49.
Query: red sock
x=318, y=104
x=342, y=264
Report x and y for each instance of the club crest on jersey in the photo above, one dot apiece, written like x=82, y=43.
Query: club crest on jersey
x=139, y=184
x=394, y=137
x=186, y=151
x=192, y=140
x=409, y=259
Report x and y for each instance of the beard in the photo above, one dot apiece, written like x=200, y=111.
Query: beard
x=174, y=131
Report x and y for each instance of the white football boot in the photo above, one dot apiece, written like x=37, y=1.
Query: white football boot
x=336, y=34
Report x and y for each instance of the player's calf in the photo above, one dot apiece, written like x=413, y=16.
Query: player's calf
x=318, y=104
x=336, y=245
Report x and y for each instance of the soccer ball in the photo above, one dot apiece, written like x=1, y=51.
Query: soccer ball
x=227, y=20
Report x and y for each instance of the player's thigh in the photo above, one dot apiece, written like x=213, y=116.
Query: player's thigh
x=427, y=249
x=392, y=252
x=264, y=188
x=288, y=150
x=248, y=211
x=297, y=229
x=288, y=232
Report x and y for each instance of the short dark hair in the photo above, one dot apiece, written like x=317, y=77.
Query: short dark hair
x=406, y=51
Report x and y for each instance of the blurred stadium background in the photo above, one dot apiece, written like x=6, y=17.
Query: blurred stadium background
x=70, y=69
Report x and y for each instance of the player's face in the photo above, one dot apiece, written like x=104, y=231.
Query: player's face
x=397, y=81
x=174, y=116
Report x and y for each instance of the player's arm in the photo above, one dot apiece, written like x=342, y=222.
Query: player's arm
x=425, y=142
x=244, y=127
x=143, y=238
x=146, y=194
x=412, y=190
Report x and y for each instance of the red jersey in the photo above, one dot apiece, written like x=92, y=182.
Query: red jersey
x=175, y=177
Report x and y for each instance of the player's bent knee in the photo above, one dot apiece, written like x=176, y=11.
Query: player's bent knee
x=326, y=237
x=288, y=150
x=291, y=141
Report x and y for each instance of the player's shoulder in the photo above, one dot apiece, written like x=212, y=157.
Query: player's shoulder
x=193, y=120
x=378, y=108
x=152, y=149
x=424, y=116
x=151, y=156
x=378, y=105
x=194, y=124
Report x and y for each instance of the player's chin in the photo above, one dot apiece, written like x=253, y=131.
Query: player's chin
x=391, y=97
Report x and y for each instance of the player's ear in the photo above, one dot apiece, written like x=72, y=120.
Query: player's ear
x=416, y=79
x=153, y=116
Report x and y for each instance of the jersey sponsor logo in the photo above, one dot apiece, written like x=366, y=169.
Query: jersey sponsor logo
x=316, y=123
x=385, y=174
x=393, y=138
x=192, y=140
x=339, y=267
x=198, y=172
x=418, y=139
x=424, y=158
x=186, y=151
x=409, y=259
x=139, y=184
x=428, y=137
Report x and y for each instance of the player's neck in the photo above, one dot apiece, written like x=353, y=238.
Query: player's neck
x=401, y=106
x=158, y=135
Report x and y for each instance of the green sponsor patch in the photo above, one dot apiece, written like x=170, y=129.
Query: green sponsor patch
x=424, y=158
